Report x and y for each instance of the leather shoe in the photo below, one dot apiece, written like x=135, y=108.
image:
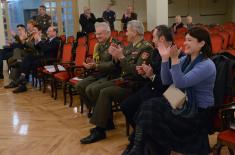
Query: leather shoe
x=20, y=89
x=10, y=85
x=110, y=126
x=95, y=136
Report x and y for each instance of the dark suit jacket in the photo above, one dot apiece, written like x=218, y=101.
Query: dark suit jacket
x=88, y=25
x=48, y=49
x=125, y=20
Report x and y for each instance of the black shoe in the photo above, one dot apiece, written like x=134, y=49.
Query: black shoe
x=128, y=149
x=95, y=136
x=20, y=89
x=10, y=85
x=1, y=76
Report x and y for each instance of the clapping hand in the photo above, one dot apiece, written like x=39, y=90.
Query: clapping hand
x=116, y=52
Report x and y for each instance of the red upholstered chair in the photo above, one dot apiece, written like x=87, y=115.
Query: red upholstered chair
x=225, y=36
x=217, y=43
x=91, y=36
x=64, y=76
x=148, y=36
x=114, y=34
x=82, y=41
x=180, y=42
x=63, y=39
x=226, y=137
x=231, y=35
x=70, y=39
x=91, y=46
x=181, y=30
x=47, y=75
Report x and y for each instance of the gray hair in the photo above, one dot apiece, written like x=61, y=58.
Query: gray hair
x=104, y=25
x=137, y=26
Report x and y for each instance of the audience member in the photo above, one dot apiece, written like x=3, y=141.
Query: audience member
x=184, y=129
x=178, y=24
x=128, y=16
x=137, y=53
x=189, y=22
x=109, y=16
x=87, y=21
x=43, y=19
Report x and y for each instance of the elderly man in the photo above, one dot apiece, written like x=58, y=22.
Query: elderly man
x=189, y=22
x=109, y=16
x=128, y=16
x=137, y=53
x=102, y=64
x=87, y=21
x=178, y=24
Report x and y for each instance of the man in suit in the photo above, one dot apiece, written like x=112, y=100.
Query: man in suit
x=128, y=16
x=87, y=21
x=46, y=50
x=109, y=16
x=154, y=87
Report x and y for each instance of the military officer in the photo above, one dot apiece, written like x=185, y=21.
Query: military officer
x=109, y=16
x=137, y=53
x=102, y=64
x=43, y=19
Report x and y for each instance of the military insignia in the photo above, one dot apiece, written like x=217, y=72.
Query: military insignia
x=145, y=55
x=134, y=53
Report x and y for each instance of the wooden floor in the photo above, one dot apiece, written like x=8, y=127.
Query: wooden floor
x=33, y=123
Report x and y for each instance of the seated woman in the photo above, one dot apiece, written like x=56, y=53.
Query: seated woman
x=185, y=129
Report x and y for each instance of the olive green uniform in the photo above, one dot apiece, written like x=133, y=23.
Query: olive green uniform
x=105, y=70
x=134, y=56
x=44, y=22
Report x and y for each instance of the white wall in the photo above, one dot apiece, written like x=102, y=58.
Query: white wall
x=2, y=34
x=98, y=6
x=202, y=11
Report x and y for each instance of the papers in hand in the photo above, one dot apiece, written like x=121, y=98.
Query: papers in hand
x=51, y=68
x=77, y=79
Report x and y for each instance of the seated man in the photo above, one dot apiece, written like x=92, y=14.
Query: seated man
x=102, y=63
x=153, y=88
x=137, y=53
x=18, y=55
x=45, y=50
x=7, y=52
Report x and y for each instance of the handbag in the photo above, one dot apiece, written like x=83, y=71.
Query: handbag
x=175, y=97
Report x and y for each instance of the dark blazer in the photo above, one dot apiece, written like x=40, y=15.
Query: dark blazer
x=88, y=25
x=48, y=49
x=125, y=20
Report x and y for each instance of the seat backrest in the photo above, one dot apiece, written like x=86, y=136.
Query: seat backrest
x=231, y=35
x=148, y=36
x=63, y=39
x=225, y=36
x=217, y=43
x=180, y=42
x=67, y=53
x=80, y=55
x=91, y=46
x=82, y=40
x=181, y=30
x=114, y=34
x=91, y=36
x=70, y=39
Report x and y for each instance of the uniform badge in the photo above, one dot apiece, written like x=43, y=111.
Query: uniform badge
x=145, y=55
x=134, y=53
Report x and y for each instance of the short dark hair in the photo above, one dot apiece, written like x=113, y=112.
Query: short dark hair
x=20, y=25
x=201, y=34
x=163, y=30
x=42, y=6
x=38, y=27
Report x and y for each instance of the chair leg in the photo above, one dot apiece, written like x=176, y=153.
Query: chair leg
x=82, y=106
x=64, y=86
x=44, y=84
x=55, y=88
x=127, y=127
x=231, y=152
x=217, y=149
x=70, y=96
